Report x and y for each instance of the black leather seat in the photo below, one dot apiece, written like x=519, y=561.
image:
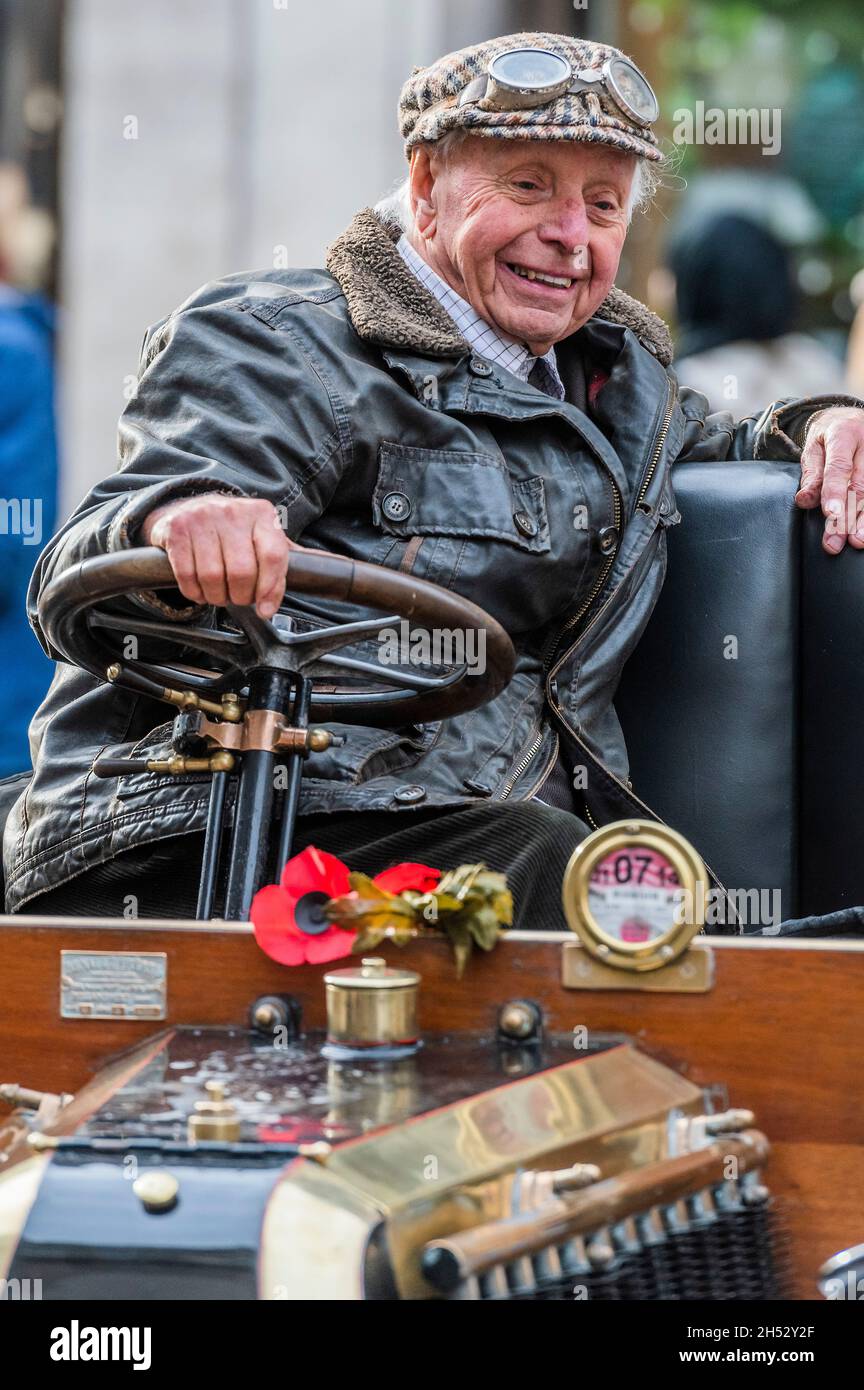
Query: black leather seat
x=742, y=704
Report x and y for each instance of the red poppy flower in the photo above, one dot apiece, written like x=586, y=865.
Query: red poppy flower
x=289, y=923
x=401, y=876
x=288, y=917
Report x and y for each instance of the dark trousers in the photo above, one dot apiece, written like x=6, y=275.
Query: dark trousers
x=528, y=841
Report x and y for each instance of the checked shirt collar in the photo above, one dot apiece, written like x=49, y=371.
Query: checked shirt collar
x=487, y=341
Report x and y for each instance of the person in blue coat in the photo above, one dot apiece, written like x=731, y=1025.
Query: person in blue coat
x=28, y=504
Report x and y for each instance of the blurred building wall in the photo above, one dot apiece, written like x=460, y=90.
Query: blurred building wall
x=200, y=138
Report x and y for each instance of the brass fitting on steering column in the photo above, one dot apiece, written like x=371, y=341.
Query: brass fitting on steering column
x=230, y=708
x=176, y=765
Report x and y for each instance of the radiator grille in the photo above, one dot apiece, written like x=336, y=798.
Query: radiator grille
x=722, y=1244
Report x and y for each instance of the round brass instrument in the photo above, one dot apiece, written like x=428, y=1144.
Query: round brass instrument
x=372, y=1005
x=634, y=892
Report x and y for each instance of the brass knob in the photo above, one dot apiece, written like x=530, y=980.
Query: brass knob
x=214, y=1118
x=265, y=1017
x=156, y=1190
x=519, y=1020
x=232, y=708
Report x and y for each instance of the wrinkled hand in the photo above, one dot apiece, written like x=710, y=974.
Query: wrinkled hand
x=223, y=549
x=832, y=471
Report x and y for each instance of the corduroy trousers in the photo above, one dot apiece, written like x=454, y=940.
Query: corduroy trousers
x=530, y=842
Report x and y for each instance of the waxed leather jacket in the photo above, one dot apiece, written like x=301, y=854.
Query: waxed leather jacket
x=326, y=391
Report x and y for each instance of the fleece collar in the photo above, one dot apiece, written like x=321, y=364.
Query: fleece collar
x=390, y=307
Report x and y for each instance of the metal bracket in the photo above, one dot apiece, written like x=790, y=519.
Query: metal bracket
x=691, y=973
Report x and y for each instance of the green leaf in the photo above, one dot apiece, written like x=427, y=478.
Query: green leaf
x=460, y=940
x=369, y=938
x=484, y=928
x=368, y=888
x=447, y=903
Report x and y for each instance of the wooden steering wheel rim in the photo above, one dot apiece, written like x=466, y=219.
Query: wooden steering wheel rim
x=67, y=599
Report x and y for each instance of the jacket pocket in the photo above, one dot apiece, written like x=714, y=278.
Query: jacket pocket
x=447, y=492
x=369, y=753
x=155, y=744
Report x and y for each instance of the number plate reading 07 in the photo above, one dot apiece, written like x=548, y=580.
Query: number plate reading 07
x=113, y=984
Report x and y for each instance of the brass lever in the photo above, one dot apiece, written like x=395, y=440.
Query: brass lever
x=174, y=766
x=230, y=708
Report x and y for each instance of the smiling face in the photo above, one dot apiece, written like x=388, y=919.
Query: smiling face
x=499, y=221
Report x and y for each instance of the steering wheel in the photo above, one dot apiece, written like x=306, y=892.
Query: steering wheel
x=77, y=623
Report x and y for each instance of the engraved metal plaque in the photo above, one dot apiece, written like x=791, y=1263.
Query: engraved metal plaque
x=113, y=984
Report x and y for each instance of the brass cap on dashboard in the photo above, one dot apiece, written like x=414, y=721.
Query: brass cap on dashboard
x=372, y=1005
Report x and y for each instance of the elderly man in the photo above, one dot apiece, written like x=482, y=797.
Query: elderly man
x=463, y=395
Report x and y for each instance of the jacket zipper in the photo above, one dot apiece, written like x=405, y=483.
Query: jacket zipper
x=661, y=440
x=652, y=468
x=523, y=762
x=596, y=588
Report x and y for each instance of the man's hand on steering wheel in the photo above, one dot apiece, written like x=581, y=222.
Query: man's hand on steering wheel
x=223, y=549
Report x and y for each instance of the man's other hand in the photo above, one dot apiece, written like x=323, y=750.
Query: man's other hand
x=223, y=549
x=832, y=471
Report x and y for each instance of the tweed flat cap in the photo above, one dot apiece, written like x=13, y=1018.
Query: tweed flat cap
x=428, y=102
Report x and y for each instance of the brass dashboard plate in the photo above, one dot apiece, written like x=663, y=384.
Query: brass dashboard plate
x=692, y=973
x=129, y=985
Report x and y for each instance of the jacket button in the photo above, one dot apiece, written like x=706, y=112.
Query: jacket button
x=607, y=538
x=409, y=793
x=396, y=506
x=526, y=524
x=479, y=367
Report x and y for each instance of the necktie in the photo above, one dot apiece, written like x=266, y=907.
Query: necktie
x=541, y=377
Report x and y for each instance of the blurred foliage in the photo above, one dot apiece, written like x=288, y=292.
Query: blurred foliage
x=807, y=60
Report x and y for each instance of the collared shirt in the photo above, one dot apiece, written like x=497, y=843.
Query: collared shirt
x=489, y=342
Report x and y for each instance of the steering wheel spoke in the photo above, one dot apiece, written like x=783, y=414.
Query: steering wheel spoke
x=280, y=645
x=409, y=680
x=213, y=641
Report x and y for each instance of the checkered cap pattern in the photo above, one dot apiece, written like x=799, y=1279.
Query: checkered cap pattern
x=485, y=340
x=428, y=103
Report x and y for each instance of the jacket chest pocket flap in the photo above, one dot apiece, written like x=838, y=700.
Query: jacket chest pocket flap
x=445, y=492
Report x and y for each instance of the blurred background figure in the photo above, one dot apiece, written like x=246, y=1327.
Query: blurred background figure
x=28, y=457
x=738, y=305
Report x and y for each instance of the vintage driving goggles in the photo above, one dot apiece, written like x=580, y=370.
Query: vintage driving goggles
x=526, y=77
